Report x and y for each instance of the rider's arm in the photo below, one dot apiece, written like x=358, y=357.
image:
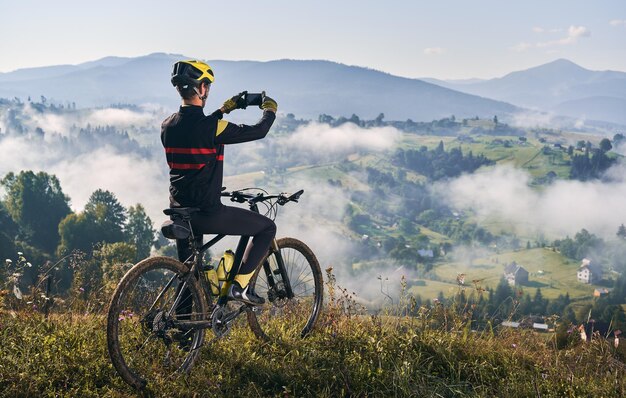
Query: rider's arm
x=229, y=133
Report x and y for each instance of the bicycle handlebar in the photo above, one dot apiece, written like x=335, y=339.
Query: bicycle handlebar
x=242, y=197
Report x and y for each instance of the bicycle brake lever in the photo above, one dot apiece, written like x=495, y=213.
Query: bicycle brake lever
x=294, y=197
x=237, y=197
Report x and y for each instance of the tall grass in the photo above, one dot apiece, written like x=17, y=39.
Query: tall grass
x=404, y=351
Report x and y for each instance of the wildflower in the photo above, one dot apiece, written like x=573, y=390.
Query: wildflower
x=20, y=253
x=8, y=261
x=81, y=289
x=583, y=334
x=29, y=265
x=514, y=345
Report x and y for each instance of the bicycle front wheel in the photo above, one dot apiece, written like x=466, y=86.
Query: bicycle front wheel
x=149, y=324
x=287, y=312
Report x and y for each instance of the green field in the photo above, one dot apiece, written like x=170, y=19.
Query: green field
x=557, y=277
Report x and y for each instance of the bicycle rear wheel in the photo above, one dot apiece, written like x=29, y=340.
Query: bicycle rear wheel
x=281, y=315
x=144, y=337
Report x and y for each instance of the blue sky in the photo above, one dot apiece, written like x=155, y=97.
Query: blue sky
x=442, y=39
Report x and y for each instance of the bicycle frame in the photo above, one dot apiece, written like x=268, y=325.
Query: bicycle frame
x=198, y=266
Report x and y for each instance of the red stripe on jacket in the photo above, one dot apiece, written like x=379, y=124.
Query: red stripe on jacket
x=191, y=151
x=185, y=166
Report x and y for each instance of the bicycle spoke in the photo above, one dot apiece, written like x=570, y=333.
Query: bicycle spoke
x=295, y=316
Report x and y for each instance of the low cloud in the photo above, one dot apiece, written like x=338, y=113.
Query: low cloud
x=539, y=29
x=563, y=208
x=618, y=22
x=434, y=51
x=578, y=31
x=63, y=123
x=574, y=33
x=533, y=119
x=131, y=178
x=521, y=47
x=542, y=119
x=321, y=141
x=119, y=117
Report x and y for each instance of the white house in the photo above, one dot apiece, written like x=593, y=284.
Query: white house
x=588, y=272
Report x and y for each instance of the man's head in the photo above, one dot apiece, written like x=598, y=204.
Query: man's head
x=192, y=80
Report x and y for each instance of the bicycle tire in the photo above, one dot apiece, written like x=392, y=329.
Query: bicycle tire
x=141, y=345
x=294, y=317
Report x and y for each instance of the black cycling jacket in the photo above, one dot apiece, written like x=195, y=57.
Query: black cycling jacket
x=194, y=147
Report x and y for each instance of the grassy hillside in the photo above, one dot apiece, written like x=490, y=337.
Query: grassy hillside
x=433, y=354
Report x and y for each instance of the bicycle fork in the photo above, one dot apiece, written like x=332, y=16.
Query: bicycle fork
x=280, y=271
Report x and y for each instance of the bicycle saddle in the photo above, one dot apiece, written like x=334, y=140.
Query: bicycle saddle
x=178, y=226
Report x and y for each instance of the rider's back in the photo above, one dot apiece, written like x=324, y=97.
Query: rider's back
x=195, y=161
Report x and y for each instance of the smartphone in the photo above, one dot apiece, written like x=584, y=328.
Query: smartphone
x=253, y=99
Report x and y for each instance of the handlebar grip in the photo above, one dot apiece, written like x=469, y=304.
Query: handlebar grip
x=294, y=197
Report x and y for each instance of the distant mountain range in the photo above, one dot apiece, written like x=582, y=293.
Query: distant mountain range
x=560, y=86
x=305, y=88
x=311, y=88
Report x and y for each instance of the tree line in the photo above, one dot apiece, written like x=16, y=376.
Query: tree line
x=488, y=307
x=438, y=163
x=38, y=227
x=592, y=162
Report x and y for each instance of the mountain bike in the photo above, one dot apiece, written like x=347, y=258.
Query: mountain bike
x=161, y=309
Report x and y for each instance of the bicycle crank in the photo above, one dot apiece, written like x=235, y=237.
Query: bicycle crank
x=222, y=318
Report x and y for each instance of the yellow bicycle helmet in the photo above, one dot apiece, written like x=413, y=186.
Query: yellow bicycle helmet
x=191, y=73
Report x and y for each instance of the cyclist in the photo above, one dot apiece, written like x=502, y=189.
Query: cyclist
x=194, y=147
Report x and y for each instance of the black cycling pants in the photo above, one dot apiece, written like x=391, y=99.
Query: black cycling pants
x=229, y=220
